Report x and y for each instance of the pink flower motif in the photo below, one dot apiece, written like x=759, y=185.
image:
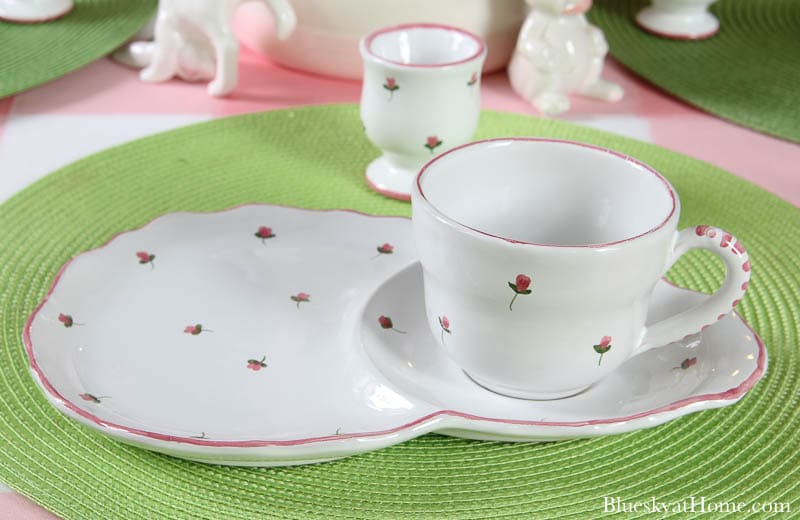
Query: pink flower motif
x=603, y=347
x=386, y=249
x=745, y=285
x=386, y=323
x=391, y=85
x=726, y=240
x=67, y=320
x=432, y=143
x=746, y=266
x=194, y=330
x=520, y=285
x=256, y=364
x=735, y=303
x=264, y=232
x=91, y=398
x=687, y=363
x=739, y=248
x=146, y=258
x=444, y=323
x=300, y=297
x=473, y=79
x=701, y=230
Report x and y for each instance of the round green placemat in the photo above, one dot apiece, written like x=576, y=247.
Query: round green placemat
x=748, y=73
x=32, y=54
x=315, y=157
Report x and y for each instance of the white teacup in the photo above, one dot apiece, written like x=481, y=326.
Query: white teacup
x=539, y=258
x=420, y=97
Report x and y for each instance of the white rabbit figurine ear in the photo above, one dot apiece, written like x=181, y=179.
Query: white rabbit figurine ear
x=194, y=40
x=559, y=53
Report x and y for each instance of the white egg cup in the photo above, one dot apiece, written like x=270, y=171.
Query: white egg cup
x=679, y=19
x=420, y=97
x=34, y=11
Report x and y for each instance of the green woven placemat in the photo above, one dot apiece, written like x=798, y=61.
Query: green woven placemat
x=315, y=157
x=748, y=73
x=32, y=54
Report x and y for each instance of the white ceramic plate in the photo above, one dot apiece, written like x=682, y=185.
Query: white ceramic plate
x=203, y=337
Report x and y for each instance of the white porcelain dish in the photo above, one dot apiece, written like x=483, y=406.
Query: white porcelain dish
x=327, y=34
x=267, y=335
x=679, y=19
x=34, y=11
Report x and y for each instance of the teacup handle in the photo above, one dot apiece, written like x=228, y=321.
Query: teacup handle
x=737, y=277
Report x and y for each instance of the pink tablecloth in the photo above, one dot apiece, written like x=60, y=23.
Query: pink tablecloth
x=105, y=104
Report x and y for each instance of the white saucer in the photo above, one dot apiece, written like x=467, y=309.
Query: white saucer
x=190, y=336
x=34, y=11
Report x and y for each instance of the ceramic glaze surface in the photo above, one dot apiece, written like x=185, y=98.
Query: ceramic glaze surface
x=679, y=19
x=551, y=265
x=33, y=11
x=266, y=335
x=615, y=201
x=337, y=25
x=559, y=53
x=420, y=96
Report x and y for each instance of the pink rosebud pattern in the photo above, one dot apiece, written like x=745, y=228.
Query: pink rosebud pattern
x=67, y=320
x=520, y=285
x=386, y=323
x=196, y=330
x=264, y=232
x=391, y=85
x=257, y=364
x=300, y=297
x=746, y=266
x=433, y=143
x=687, y=363
x=386, y=249
x=472, y=79
x=92, y=398
x=603, y=347
x=726, y=240
x=444, y=323
x=146, y=258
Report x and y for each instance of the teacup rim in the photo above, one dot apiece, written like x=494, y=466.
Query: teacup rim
x=417, y=188
x=366, y=42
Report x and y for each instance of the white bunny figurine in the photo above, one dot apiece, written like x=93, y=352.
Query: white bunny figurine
x=194, y=40
x=558, y=52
